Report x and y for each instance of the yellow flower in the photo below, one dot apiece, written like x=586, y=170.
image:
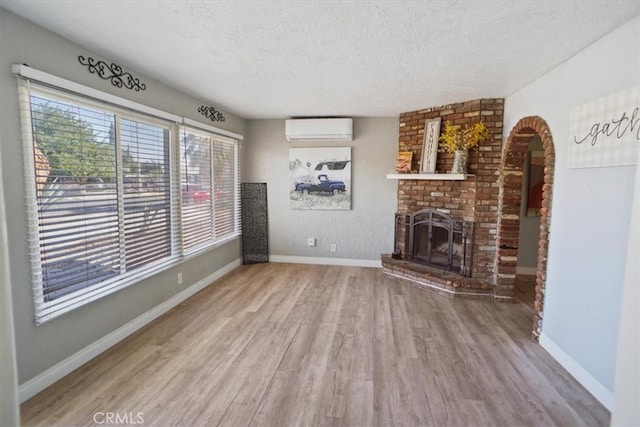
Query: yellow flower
x=456, y=138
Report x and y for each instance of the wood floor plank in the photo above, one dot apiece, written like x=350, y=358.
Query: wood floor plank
x=299, y=345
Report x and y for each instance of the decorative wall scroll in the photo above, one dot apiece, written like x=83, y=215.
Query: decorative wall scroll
x=112, y=72
x=430, y=146
x=606, y=132
x=211, y=113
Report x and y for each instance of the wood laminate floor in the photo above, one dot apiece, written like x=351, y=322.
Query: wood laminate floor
x=283, y=345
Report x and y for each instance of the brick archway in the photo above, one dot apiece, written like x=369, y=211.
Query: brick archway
x=510, y=195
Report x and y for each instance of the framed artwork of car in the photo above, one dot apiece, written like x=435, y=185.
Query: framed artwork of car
x=320, y=178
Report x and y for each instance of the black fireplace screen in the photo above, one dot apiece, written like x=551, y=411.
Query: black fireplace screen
x=435, y=239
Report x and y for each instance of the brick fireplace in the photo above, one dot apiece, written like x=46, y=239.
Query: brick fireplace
x=473, y=200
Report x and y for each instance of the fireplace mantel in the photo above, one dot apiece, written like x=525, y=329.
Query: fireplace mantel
x=430, y=176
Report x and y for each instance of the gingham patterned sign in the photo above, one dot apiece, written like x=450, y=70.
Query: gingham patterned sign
x=606, y=132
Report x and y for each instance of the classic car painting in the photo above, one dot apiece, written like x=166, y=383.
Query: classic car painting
x=320, y=178
x=324, y=185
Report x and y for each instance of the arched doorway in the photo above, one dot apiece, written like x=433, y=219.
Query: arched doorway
x=513, y=156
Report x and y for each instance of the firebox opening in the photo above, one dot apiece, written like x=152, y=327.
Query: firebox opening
x=437, y=240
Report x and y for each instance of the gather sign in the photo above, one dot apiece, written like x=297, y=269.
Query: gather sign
x=606, y=132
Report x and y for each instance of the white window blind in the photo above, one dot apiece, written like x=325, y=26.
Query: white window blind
x=102, y=198
x=196, y=185
x=209, y=188
x=146, y=186
x=225, y=188
x=75, y=172
x=115, y=191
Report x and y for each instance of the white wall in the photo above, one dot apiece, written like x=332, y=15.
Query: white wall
x=9, y=413
x=591, y=212
x=362, y=233
x=40, y=348
x=626, y=411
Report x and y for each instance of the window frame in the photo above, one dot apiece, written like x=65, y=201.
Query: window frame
x=31, y=80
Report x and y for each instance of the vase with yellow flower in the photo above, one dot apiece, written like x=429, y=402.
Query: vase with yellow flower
x=459, y=140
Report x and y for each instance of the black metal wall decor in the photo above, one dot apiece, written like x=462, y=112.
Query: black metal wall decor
x=211, y=113
x=112, y=72
x=255, y=223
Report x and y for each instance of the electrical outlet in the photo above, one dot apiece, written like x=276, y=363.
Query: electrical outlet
x=179, y=278
x=333, y=247
x=311, y=241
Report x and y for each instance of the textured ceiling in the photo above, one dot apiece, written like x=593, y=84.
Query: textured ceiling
x=267, y=59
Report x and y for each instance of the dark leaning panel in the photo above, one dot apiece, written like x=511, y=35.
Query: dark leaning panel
x=255, y=223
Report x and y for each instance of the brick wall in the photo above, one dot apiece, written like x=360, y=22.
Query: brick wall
x=515, y=150
x=475, y=199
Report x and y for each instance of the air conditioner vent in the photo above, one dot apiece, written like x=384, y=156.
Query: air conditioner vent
x=319, y=130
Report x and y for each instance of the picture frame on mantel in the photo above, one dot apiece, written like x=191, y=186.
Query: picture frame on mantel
x=430, y=145
x=403, y=162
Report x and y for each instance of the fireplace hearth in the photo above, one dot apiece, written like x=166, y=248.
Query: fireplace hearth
x=435, y=239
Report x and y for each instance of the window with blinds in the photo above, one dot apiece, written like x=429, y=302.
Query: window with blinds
x=76, y=197
x=102, y=199
x=209, y=189
x=115, y=195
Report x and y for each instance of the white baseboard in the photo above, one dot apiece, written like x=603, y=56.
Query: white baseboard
x=593, y=386
x=351, y=262
x=71, y=363
x=528, y=271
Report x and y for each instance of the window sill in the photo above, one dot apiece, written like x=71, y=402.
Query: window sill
x=77, y=300
x=201, y=250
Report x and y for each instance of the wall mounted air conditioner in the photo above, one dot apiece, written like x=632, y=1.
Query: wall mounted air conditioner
x=319, y=130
